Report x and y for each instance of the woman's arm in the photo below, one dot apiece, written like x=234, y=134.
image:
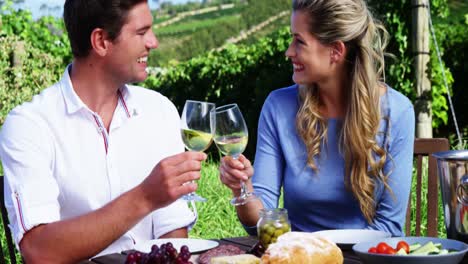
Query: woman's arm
x=267, y=179
x=391, y=209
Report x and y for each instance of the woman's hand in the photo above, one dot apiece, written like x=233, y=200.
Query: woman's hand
x=232, y=171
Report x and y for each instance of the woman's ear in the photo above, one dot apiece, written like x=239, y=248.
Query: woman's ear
x=337, y=51
x=99, y=41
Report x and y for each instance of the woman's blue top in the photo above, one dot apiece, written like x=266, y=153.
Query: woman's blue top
x=319, y=200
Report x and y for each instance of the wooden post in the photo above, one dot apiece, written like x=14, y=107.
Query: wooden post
x=420, y=44
x=18, y=55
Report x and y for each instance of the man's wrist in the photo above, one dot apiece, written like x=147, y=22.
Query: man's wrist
x=143, y=201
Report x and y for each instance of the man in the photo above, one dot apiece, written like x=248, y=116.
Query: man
x=93, y=165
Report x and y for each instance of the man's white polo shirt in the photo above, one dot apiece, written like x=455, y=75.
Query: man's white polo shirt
x=59, y=162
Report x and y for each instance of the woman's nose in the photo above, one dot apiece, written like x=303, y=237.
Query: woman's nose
x=290, y=51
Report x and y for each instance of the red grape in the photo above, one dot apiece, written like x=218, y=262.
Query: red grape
x=165, y=254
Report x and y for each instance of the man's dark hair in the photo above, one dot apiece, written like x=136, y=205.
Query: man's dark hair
x=83, y=16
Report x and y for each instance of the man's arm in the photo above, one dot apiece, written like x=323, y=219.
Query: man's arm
x=72, y=240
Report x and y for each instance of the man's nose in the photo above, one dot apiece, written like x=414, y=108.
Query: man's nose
x=153, y=42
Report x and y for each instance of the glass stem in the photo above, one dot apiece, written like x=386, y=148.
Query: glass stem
x=244, y=192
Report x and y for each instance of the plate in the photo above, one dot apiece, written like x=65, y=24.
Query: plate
x=346, y=238
x=451, y=258
x=194, y=245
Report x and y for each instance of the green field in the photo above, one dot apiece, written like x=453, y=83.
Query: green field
x=179, y=29
x=194, y=35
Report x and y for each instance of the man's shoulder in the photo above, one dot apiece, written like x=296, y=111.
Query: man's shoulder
x=44, y=102
x=33, y=116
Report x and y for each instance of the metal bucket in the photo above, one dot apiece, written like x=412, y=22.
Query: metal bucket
x=453, y=175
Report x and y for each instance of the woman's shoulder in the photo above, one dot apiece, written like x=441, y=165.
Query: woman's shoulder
x=397, y=103
x=283, y=95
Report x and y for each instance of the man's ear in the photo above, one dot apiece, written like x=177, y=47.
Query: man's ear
x=337, y=51
x=100, y=41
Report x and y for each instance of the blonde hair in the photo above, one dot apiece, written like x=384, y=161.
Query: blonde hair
x=351, y=22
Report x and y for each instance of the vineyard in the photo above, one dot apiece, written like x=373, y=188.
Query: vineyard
x=195, y=32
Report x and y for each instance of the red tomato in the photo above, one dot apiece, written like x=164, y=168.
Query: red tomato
x=403, y=245
x=390, y=251
x=382, y=248
x=372, y=250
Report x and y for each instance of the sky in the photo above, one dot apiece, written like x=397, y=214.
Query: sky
x=35, y=6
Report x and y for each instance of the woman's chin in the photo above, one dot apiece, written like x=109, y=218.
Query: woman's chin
x=298, y=80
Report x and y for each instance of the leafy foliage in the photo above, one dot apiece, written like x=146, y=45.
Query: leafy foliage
x=46, y=34
x=18, y=84
x=397, y=16
x=453, y=38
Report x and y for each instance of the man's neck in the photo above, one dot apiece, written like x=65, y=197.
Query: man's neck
x=94, y=87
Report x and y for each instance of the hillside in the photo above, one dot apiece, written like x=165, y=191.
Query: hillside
x=191, y=32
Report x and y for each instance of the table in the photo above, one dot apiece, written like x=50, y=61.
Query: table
x=244, y=243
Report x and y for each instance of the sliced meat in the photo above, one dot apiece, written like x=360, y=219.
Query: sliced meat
x=221, y=250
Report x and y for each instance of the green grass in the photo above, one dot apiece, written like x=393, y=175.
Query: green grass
x=217, y=217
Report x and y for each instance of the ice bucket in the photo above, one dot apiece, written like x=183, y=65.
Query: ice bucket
x=453, y=176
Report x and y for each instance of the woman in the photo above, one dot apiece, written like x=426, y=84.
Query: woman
x=340, y=141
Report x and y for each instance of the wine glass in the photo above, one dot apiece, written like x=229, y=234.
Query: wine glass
x=196, y=132
x=231, y=136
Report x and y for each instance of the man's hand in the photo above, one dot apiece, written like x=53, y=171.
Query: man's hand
x=171, y=178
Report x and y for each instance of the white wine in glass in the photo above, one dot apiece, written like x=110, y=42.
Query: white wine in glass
x=232, y=145
x=196, y=132
x=196, y=140
x=231, y=136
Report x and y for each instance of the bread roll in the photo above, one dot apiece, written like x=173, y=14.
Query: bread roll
x=300, y=247
x=236, y=259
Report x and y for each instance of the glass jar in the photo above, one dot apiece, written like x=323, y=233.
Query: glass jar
x=272, y=224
